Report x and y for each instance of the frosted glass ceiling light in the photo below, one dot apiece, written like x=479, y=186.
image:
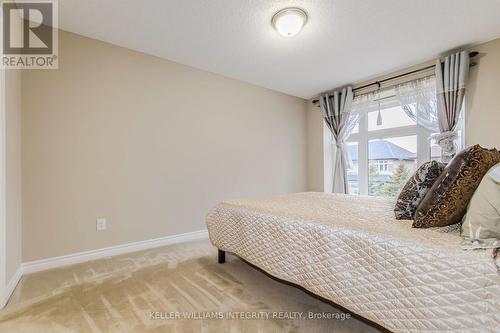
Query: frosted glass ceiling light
x=289, y=21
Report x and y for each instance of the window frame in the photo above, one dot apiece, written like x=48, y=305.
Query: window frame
x=363, y=137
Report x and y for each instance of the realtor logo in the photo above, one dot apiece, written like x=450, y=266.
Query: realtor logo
x=29, y=34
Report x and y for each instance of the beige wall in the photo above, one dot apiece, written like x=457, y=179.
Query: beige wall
x=13, y=171
x=315, y=148
x=483, y=97
x=482, y=110
x=149, y=144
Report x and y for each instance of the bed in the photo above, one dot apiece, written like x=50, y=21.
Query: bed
x=352, y=251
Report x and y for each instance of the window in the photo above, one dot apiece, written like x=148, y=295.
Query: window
x=381, y=165
x=392, y=117
x=384, y=154
x=387, y=177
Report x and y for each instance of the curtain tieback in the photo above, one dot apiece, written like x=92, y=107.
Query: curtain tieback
x=342, y=147
x=446, y=141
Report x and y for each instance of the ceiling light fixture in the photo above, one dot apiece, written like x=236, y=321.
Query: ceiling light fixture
x=289, y=21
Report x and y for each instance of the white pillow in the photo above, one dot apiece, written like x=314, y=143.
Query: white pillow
x=495, y=174
x=481, y=223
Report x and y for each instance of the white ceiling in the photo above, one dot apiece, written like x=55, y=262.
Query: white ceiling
x=344, y=41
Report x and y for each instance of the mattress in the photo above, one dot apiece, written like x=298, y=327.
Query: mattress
x=352, y=251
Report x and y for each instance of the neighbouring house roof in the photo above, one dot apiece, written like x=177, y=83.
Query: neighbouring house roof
x=382, y=150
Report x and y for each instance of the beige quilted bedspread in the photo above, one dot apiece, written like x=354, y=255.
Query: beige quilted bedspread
x=351, y=250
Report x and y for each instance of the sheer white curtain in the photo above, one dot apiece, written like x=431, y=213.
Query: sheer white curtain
x=418, y=101
x=362, y=104
x=435, y=103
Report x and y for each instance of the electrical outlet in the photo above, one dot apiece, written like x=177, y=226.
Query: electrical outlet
x=100, y=224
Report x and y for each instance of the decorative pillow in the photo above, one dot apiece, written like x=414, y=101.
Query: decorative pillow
x=481, y=224
x=415, y=189
x=447, y=200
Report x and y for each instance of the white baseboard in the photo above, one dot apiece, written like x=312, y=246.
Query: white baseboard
x=9, y=289
x=75, y=258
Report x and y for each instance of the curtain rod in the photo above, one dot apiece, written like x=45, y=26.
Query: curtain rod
x=471, y=54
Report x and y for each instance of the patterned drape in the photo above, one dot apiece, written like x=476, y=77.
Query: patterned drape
x=451, y=80
x=338, y=116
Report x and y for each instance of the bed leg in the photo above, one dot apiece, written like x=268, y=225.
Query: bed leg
x=221, y=256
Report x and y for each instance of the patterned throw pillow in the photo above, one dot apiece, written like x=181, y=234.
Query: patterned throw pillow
x=416, y=188
x=447, y=200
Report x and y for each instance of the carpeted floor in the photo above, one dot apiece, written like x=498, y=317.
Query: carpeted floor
x=155, y=290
